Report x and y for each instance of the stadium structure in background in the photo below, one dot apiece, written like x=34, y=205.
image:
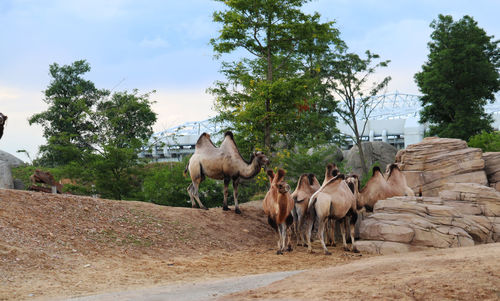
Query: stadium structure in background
x=393, y=120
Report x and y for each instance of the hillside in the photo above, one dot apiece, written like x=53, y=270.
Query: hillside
x=65, y=245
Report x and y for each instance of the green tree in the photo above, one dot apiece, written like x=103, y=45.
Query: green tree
x=488, y=142
x=347, y=77
x=67, y=123
x=459, y=77
x=275, y=94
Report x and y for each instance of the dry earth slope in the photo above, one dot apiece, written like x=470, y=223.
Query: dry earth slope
x=64, y=245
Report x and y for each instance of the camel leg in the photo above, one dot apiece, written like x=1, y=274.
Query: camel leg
x=281, y=238
x=295, y=225
x=310, y=225
x=194, y=191
x=289, y=230
x=190, y=187
x=300, y=233
x=226, y=184
x=321, y=234
x=343, y=226
x=235, y=194
x=352, y=224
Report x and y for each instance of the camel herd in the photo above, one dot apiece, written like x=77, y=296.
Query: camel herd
x=338, y=199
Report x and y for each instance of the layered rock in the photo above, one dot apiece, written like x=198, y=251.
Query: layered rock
x=463, y=215
x=435, y=162
x=492, y=168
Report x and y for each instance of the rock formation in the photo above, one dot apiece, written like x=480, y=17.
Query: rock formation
x=434, y=162
x=464, y=214
x=492, y=168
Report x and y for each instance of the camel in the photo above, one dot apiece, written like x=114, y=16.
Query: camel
x=335, y=200
x=378, y=188
x=330, y=172
x=278, y=206
x=3, y=118
x=397, y=180
x=221, y=163
x=306, y=186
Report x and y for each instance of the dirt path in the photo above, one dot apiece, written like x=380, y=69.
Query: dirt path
x=471, y=273
x=193, y=291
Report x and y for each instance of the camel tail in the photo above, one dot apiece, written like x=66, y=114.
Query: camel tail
x=186, y=170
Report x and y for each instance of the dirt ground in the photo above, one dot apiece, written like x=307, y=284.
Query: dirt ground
x=54, y=246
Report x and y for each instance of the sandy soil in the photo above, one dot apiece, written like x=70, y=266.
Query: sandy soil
x=54, y=246
x=63, y=245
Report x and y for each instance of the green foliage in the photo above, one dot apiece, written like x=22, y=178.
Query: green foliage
x=67, y=123
x=459, y=77
x=277, y=93
x=488, y=142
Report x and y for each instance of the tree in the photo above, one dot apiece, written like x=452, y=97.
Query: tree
x=67, y=123
x=459, y=77
x=275, y=94
x=348, y=76
x=94, y=130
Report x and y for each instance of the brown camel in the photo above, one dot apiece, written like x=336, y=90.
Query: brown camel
x=278, y=205
x=3, y=118
x=397, y=180
x=378, y=188
x=221, y=163
x=334, y=200
x=306, y=186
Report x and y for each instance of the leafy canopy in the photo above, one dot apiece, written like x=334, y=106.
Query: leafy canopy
x=275, y=94
x=460, y=76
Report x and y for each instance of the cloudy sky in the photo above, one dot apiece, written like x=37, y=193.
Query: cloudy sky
x=163, y=45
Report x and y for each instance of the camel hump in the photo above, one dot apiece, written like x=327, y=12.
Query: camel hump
x=340, y=177
x=393, y=166
x=376, y=169
x=204, y=139
x=230, y=134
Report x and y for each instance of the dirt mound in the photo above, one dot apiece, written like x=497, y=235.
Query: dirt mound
x=64, y=245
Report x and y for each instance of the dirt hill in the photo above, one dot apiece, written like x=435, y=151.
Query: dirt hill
x=64, y=245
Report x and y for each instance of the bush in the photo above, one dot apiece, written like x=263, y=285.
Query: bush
x=488, y=142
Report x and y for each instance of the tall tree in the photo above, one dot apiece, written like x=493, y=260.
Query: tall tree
x=275, y=93
x=67, y=122
x=459, y=78
x=348, y=75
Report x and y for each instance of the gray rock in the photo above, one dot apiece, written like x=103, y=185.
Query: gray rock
x=376, y=151
x=11, y=160
x=6, y=180
x=19, y=184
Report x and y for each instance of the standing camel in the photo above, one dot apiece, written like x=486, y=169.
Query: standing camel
x=397, y=181
x=334, y=200
x=221, y=163
x=278, y=206
x=306, y=187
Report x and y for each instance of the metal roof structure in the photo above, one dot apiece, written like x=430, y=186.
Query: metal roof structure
x=387, y=106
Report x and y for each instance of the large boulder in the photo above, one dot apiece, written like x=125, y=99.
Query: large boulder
x=376, y=151
x=7, y=161
x=11, y=160
x=6, y=180
x=334, y=155
x=431, y=164
x=464, y=214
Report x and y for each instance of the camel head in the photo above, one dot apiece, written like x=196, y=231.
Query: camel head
x=306, y=186
x=278, y=181
x=262, y=159
x=3, y=118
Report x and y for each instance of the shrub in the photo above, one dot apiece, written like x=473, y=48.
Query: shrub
x=488, y=142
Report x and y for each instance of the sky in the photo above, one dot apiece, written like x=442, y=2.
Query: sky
x=163, y=45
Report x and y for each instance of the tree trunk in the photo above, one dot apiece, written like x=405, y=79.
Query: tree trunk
x=269, y=78
x=360, y=146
